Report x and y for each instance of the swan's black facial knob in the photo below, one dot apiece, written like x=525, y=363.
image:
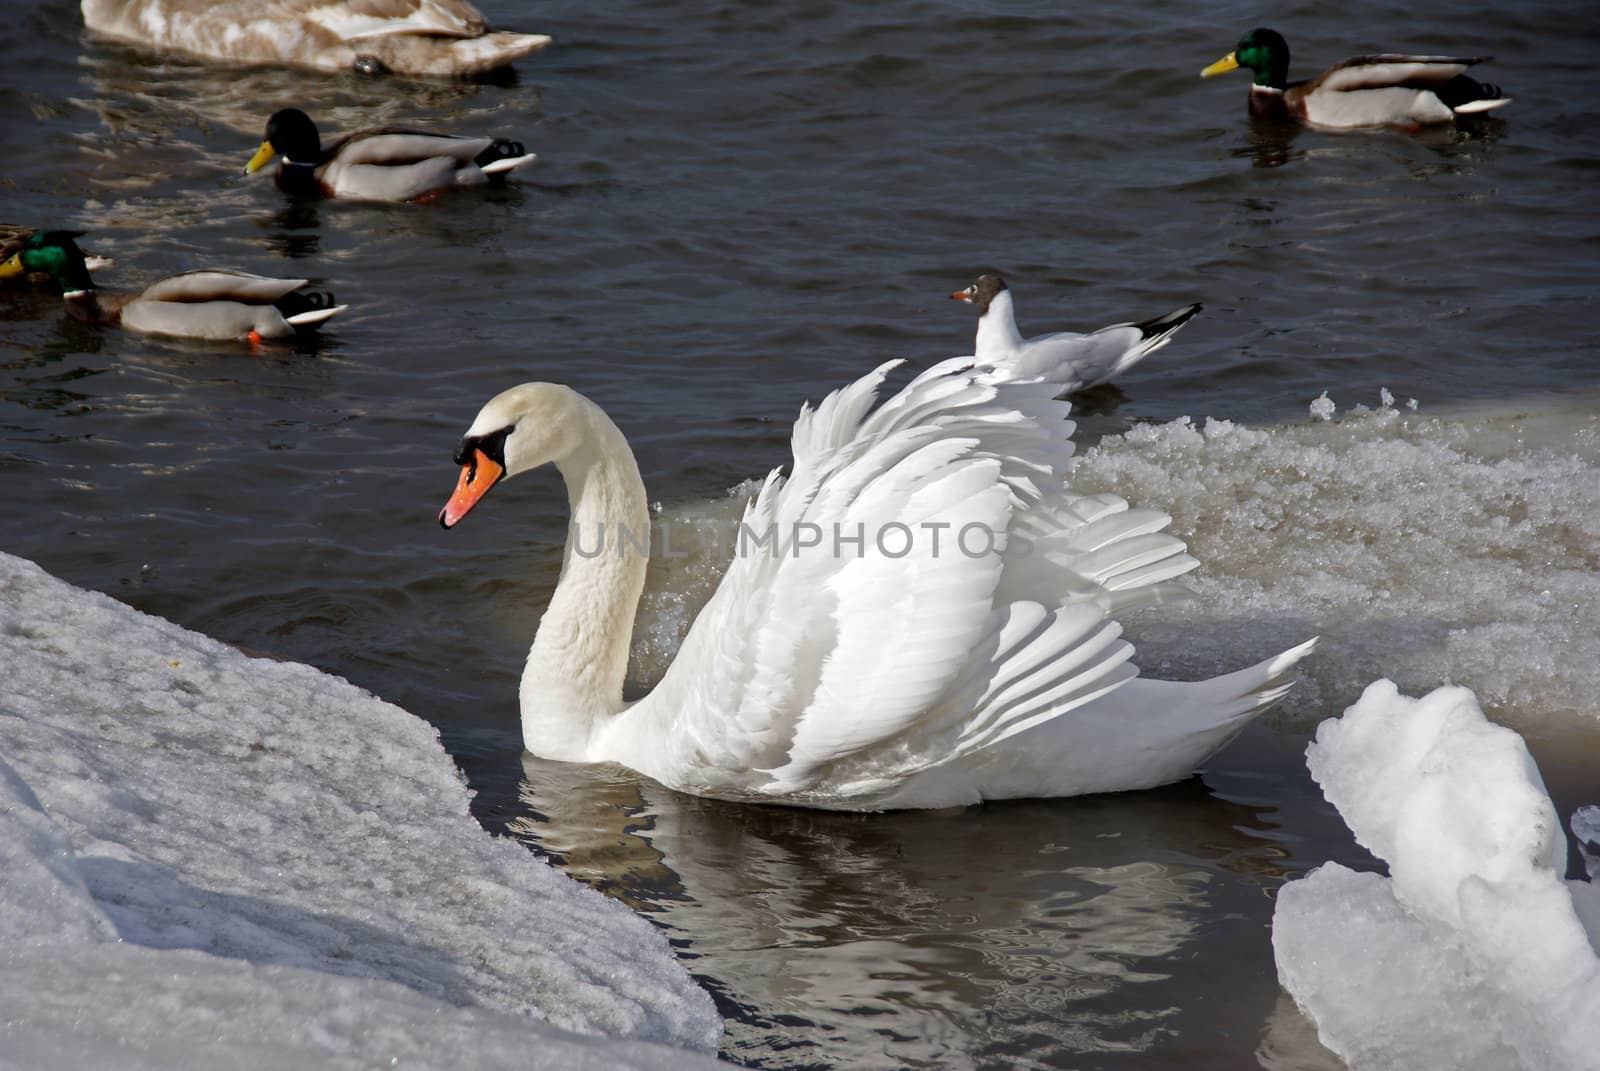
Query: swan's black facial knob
x=493, y=446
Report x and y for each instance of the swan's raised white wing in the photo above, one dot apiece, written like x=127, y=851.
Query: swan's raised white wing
x=861, y=633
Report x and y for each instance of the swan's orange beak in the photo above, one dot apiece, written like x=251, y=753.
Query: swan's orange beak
x=480, y=473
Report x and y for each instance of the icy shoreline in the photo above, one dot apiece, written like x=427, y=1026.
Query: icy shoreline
x=216, y=860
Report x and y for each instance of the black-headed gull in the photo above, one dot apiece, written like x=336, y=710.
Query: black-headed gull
x=1078, y=361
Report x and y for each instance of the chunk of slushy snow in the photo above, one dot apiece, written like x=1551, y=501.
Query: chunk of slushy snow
x=209, y=860
x=1474, y=953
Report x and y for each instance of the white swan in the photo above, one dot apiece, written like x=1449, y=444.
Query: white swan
x=414, y=37
x=1076, y=361
x=878, y=668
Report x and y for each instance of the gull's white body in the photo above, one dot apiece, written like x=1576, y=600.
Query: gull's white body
x=1076, y=361
x=878, y=680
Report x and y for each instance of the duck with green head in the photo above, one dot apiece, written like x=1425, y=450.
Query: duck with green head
x=383, y=164
x=1381, y=90
x=209, y=304
x=12, y=240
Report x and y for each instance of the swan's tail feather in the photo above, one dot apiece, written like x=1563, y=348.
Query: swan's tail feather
x=1248, y=692
x=449, y=56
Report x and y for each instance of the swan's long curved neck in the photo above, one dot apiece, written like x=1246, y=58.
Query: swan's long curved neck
x=997, y=328
x=572, y=684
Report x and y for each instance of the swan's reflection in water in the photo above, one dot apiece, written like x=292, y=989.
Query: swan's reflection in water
x=1012, y=935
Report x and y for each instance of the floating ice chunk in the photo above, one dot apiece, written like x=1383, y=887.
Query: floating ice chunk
x=1475, y=953
x=209, y=860
x=1385, y=398
x=1322, y=407
x=1456, y=547
x=1586, y=827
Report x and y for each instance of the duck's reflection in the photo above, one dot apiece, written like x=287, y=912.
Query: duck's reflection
x=1019, y=932
x=294, y=231
x=1273, y=144
x=167, y=152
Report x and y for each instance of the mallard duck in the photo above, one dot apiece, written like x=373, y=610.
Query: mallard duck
x=384, y=164
x=1077, y=361
x=1386, y=90
x=13, y=238
x=211, y=303
x=430, y=37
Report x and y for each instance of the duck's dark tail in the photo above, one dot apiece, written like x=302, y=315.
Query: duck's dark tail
x=307, y=308
x=502, y=156
x=1467, y=96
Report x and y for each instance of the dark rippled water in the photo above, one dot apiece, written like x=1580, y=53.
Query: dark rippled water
x=739, y=207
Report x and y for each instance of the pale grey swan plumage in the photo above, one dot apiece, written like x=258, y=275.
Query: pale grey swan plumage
x=412, y=37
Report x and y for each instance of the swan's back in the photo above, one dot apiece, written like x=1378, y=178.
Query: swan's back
x=920, y=589
x=417, y=37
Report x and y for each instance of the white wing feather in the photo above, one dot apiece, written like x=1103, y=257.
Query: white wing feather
x=819, y=666
x=439, y=18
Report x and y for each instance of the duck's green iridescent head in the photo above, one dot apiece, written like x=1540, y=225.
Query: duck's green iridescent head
x=1261, y=50
x=292, y=136
x=56, y=254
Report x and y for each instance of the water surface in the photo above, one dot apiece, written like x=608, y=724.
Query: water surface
x=738, y=208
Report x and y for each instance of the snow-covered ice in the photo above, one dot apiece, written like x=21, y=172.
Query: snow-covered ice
x=211, y=860
x=1460, y=548
x=1475, y=954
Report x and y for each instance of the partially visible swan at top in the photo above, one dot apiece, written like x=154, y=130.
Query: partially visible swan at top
x=1077, y=361
x=852, y=661
x=415, y=37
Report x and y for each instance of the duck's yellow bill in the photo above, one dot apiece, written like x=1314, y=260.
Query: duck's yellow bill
x=1227, y=63
x=12, y=266
x=262, y=158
